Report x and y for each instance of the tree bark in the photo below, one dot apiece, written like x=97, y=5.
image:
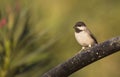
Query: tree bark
x=84, y=58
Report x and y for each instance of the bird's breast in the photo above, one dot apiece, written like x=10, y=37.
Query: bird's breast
x=84, y=38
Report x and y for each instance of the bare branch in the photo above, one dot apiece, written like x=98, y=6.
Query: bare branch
x=85, y=58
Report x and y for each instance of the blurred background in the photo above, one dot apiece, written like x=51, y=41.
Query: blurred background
x=37, y=35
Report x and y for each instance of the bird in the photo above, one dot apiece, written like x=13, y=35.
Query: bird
x=84, y=36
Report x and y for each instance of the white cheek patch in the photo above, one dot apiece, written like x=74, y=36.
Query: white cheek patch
x=81, y=28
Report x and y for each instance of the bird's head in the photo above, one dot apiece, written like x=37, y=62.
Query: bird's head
x=79, y=26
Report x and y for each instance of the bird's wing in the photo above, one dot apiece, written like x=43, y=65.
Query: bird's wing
x=92, y=36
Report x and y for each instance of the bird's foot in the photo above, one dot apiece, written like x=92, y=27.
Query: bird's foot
x=89, y=45
x=83, y=48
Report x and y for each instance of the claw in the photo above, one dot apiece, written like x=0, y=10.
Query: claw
x=89, y=45
x=83, y=48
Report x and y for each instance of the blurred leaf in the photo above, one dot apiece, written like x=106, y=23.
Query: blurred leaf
x=24, y=49
x=20, y=28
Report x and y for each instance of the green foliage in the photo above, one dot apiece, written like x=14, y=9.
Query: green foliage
x=23, y=52
x=38, y=35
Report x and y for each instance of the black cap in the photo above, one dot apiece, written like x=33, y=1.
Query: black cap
x=80, y=23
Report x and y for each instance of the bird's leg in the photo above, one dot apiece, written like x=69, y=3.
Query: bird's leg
x=83, y=48
x=89, y=45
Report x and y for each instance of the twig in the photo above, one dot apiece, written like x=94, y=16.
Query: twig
x=84, y=58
